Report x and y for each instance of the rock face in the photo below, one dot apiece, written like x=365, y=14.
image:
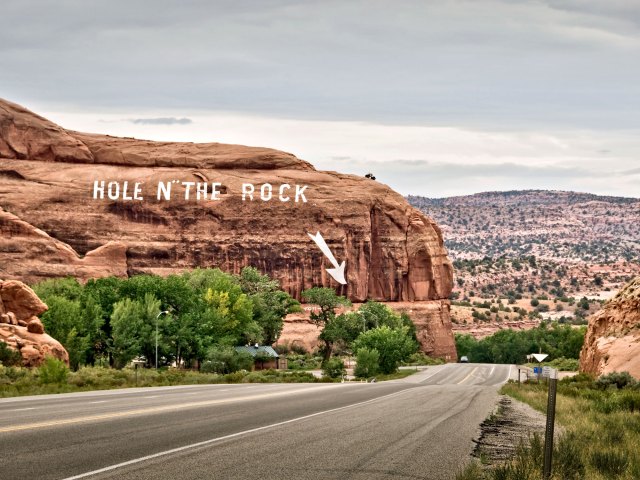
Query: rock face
x=612, y=342
x=52, y=226
x=29, y=253
x=20, y=327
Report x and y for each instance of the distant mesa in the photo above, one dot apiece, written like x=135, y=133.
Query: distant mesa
x=612, y=343
x=51, y=227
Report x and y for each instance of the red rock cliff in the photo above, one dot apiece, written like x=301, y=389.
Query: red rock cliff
x=612, y=342
x=52, y=226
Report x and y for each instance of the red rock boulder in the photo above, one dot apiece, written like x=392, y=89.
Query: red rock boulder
x=21, y=329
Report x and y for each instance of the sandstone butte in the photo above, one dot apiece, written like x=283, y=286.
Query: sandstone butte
x=52, y=226
x=612, y=342
x=20, y=327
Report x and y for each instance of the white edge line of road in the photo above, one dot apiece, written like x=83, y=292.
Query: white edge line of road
x=226, y=437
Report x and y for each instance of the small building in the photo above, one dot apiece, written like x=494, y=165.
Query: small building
x=265, y=357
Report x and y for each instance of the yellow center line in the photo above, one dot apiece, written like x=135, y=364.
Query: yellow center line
x=465, y=378
x=148, y=410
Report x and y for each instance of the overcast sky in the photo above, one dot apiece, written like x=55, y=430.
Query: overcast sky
x=436, y=98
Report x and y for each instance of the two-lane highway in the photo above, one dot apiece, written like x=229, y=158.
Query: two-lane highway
x=419, y=427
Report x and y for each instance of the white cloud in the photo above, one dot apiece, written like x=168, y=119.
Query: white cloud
x=439, y=97
x=430, y=161
x=487, y=64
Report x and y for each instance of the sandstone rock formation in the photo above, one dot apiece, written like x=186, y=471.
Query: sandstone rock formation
x=20, y=327
x=32, y=255
x=612, y=342
x=52, y=226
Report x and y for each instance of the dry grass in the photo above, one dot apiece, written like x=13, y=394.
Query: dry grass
x=601, y=438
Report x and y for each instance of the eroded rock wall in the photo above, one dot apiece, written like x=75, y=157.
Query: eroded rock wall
x=612, y=342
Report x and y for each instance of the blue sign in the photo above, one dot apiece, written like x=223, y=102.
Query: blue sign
x=537, y=370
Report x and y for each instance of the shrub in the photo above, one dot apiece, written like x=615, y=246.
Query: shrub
x=279, y=376
x=393, y=346
x=568, y=460
x=619, y=379
x=226, y=360
x=610, y=463
x=8, y=356
x=53, y=371
x=419, y=358
x=235, y=377
x=303, y=362
x=629, y=400
x=565, y=364
x=333, y=368
x=367, y=363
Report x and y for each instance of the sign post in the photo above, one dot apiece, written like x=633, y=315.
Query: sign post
x=540, y=357
x=551, y=416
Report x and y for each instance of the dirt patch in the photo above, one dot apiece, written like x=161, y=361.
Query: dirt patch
x=511, y=424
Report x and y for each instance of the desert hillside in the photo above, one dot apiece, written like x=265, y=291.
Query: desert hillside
x=530, y=255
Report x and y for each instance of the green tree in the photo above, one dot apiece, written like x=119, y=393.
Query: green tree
x=233, y=317
x=509, y=346
x=64, y=322
x=377, y=314
x=270, y=304
x=327, y=301
x=465, y=345
x=342, y=330
x=225, y=359
x=106, y=293
x=393, y=346
x=133, y=325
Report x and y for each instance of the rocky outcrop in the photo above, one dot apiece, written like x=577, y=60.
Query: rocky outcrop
x=20, y=327
x=53, y=226
x=612, y=342
x=299, y=331
x=25, y=135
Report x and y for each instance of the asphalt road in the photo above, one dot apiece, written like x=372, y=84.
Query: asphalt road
x=420, y=427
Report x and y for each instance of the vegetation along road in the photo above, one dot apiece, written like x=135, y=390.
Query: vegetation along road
x=418, y=427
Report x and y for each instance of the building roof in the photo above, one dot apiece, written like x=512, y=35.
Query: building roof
x=262, y=349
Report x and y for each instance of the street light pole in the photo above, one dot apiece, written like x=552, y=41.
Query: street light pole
x=158, y=316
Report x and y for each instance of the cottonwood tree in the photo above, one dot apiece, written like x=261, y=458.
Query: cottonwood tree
x=327, y=301
x=270, y=304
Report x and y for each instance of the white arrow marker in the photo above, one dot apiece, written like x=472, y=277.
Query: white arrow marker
x=338, y=271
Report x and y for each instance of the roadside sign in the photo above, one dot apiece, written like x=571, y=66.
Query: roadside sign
x=537, y=370
x=546, y=372
x=540, y=356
